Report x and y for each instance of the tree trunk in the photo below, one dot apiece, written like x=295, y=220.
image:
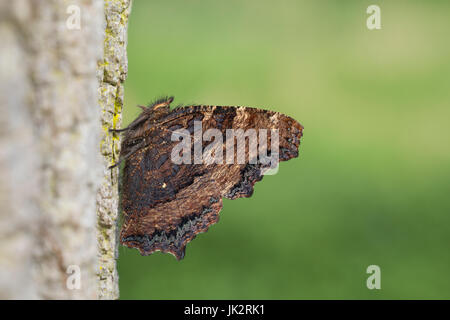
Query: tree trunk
x=58, y=98
x=112, y=74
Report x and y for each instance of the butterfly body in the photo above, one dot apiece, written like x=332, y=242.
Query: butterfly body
x=166, y=203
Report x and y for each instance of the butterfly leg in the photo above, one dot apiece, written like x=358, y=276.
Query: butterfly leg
x=119, y=130
x=129, y=154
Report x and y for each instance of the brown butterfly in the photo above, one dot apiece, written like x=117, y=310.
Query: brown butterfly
x=165, y=202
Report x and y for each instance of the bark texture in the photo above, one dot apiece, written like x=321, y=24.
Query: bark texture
x=112, y=72
x=50, y=133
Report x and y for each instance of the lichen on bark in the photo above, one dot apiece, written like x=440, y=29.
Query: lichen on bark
x=112, y=72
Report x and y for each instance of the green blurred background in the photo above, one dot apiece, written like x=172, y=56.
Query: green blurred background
x=372, y=183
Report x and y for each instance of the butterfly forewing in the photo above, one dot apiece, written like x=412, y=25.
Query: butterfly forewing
x=166, y=203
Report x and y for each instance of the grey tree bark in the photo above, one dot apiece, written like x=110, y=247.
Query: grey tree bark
x=112, y=73
x=59, y=93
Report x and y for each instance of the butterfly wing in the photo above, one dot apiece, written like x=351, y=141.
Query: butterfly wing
x=165, y=205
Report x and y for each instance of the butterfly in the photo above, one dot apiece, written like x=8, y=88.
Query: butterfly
x=175, y=176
